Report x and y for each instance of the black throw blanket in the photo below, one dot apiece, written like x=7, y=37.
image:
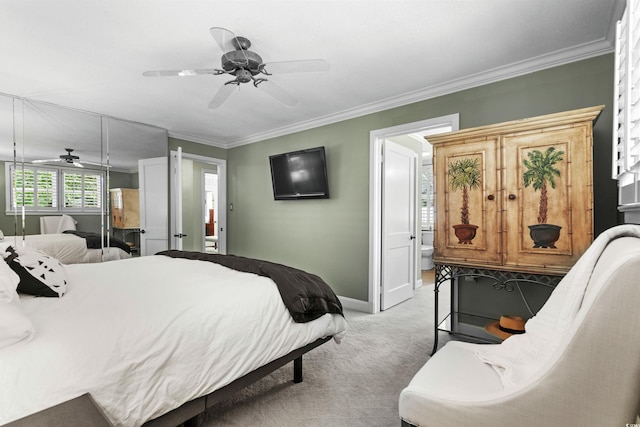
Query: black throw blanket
x=306, y=296
x=93, y=240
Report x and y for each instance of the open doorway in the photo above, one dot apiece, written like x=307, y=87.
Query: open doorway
x=198, y=194
x=210, y=199
x=376, y=206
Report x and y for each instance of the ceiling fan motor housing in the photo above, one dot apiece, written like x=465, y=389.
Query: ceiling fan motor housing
x=69, y=158
x=240, y=43
x=238, y=60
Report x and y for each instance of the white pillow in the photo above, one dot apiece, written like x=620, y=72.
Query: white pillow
x=9, y=280
x=15, y=326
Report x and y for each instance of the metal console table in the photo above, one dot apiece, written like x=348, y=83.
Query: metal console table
x=135, y=231
x=508, y=281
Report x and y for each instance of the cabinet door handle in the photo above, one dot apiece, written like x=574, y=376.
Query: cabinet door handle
x=512, y=196
x=491, y=197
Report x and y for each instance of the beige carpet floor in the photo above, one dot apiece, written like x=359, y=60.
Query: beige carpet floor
x=355, y=383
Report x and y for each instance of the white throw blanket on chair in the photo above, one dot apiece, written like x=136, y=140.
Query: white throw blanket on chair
x=520, y=356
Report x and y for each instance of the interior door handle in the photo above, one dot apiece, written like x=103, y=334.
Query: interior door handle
x=180, y=235
x=412, y=237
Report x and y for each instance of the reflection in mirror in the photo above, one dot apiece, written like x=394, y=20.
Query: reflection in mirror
x=62, y=164
x=8, y=152
x=128, y=144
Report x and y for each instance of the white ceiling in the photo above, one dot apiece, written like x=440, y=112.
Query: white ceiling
x=90, y=55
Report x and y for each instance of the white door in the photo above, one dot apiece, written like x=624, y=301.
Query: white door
x=154, y=202
x=399, y=170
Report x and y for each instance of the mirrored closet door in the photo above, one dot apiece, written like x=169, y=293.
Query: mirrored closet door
x=59, y=168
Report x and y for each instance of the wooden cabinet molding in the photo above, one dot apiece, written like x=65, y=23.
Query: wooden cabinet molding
x=522, y=191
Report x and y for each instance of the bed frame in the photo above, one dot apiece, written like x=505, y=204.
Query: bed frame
x=189, y=412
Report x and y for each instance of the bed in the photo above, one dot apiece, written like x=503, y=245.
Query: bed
x=71, y=247
x=148, y=336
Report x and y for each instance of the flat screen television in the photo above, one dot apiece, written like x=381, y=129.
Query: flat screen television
x=300, y=175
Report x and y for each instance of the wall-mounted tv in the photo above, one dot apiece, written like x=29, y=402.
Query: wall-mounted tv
x=300, y=175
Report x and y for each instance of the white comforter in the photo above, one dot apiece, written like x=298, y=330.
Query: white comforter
x=66, y=248
x=145, y=335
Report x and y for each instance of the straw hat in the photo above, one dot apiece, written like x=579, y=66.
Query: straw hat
x=506, y=326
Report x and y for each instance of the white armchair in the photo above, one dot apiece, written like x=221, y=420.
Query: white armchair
x=56, y=224
x=591, y=378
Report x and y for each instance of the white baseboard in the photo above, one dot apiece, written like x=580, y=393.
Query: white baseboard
x=364, y=306
x=354, y=304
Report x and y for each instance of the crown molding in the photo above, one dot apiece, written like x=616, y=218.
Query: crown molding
x=197, y=138
x=554, y=59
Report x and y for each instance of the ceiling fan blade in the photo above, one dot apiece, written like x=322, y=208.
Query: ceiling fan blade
x=179, y=73
x=228, y=41
x=278, y=93
x=92, y=163
x=221, y=96
x=302, y=66
x=46, y=161
x=223, y=38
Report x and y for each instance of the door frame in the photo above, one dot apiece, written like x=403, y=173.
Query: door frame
x=221, y=165
x=376, y=140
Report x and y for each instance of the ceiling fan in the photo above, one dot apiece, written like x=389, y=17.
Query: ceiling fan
x=246, y=66
x=67, y=158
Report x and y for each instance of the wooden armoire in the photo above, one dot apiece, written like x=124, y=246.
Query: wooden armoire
x=125, y=208
x=516, y=196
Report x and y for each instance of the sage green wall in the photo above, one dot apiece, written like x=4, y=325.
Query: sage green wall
x=331, y=237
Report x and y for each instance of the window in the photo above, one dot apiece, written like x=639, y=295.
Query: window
x=426, y=197
x=81, y=190
x=626, y=126
x=51, y=189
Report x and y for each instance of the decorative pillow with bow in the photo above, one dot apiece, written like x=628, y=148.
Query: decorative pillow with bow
x=40, y=274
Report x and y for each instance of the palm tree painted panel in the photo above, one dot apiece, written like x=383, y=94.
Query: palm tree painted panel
x=541, y=173
x=465, y=197
x=464, y=175
x=551, y=175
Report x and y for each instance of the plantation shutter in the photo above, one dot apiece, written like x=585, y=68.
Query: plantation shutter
x=82, y=190
x=35, y=188
x=626, y=126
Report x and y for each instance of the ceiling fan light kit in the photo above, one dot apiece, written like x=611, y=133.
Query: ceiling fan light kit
x=245, y=66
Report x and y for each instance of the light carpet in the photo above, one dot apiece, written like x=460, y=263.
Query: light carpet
x=355, y=383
